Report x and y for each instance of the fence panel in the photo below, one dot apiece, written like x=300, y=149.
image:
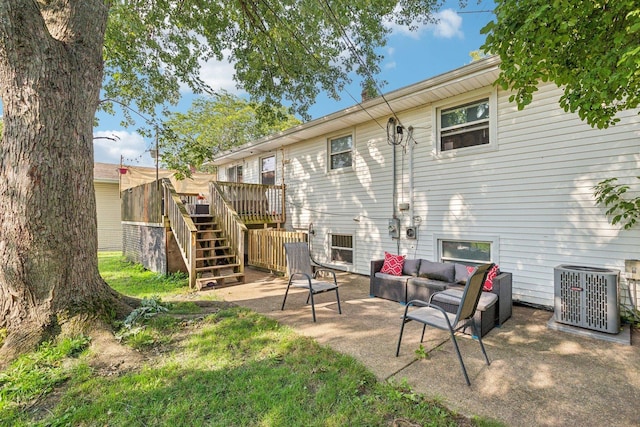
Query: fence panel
x=266, y=248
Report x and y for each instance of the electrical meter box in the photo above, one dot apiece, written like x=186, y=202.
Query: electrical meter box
x=394, y=228
x=632, y=268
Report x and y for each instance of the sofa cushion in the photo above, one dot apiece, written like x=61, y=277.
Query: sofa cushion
x=392, y=264
x=488, y=281
x=386, y=276
x=411, y=267
x=462, y=272
x=453, y=297
x=437, y=271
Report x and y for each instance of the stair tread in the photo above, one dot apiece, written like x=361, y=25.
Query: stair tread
x=217, y=267
x=215, y=257
x=213, y=248
x=226, y=276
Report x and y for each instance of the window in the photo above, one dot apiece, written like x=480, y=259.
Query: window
x=234, y=174
x=464, y=125
x=268, y=170
x=340, y=152
x=470, y=252
x=342, y=248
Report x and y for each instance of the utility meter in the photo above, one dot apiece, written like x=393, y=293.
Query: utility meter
x=394, y=228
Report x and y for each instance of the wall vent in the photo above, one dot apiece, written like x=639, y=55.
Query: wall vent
x=587, y=297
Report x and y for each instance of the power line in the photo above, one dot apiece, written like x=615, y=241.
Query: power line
x=304, y=46
x=352, y=47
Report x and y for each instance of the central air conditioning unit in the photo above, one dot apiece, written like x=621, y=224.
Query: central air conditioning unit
x=587, y=297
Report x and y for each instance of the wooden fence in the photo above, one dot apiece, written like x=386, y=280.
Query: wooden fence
x=266, y=248
x=230, y=222
x=183, y=228
x=142, y=204
x=254, y=203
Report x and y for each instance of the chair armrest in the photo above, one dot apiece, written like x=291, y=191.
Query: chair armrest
x=376, y=266
x=420, y=303
x=302, y=276
x=502, y=286
x=335, y=281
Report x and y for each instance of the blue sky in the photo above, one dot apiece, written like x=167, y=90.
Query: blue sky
x=408, y=58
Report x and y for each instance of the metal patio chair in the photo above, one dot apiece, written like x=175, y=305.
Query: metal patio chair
x=301, y=275
x=431, y=315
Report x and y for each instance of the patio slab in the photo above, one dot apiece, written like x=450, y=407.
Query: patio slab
x=537, y=377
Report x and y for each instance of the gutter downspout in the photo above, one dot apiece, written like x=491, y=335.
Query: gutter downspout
x=411, y=210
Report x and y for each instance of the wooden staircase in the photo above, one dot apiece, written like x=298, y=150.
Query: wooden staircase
x=216, y=264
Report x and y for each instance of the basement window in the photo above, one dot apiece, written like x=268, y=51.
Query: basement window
x=342, y=248
x=469, y=252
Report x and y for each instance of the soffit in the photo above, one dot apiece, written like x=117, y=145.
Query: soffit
x=473, y=76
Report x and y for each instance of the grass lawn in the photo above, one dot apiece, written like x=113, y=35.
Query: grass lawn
x=192, y=364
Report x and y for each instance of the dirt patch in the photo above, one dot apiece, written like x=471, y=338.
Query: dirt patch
x=110, y=357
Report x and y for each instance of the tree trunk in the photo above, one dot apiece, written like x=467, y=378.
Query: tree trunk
x=51, y=71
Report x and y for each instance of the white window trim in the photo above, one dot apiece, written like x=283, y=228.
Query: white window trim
x=353, y=152
x=353, y=249
x=493, y=240
x=469, y=97
x=275, y=167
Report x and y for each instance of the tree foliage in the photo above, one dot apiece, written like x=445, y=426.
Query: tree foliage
x=215, y=124
x=59, y=58
x=589, y=48
x=622, y=209
x=284, y=51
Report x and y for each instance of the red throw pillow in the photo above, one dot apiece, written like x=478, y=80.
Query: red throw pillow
x=488, y=282
x=392, y=264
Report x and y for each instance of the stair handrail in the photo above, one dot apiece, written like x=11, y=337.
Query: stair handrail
x=184, y=230
x=229, y=221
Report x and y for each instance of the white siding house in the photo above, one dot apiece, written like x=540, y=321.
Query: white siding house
x=107, y=188
x=471, y=173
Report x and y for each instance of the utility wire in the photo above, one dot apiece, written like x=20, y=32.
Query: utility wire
x=352, y=47
x=294, y=33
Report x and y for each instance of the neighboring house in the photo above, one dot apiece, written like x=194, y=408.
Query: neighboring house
x=473, y=179
x=107, y=187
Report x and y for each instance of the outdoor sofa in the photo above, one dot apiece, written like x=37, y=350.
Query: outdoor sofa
x=420, y=279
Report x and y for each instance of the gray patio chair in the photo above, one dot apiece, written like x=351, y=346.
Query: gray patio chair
x=301, y=275
x=431, y=315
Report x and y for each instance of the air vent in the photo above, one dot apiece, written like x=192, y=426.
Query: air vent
x=587, y=297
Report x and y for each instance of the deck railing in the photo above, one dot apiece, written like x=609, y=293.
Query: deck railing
x=266, y=248
x=229, y=220
x=255, y=203
x=182, y=226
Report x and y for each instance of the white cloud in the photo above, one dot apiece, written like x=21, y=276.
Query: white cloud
x=109, y=145
x=217, y=75
x=448, y=26
x=390, y=65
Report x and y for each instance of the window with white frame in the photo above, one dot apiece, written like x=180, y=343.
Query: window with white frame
x=234, y=174
x=268, y=170
x=340, y=152
x=464, y=125
x=469, y=252
x=342, y=248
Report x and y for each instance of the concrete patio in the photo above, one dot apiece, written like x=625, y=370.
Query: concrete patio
x=537, y=376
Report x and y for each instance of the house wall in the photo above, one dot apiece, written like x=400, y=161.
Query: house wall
x=108, y=215
x=531, y=194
